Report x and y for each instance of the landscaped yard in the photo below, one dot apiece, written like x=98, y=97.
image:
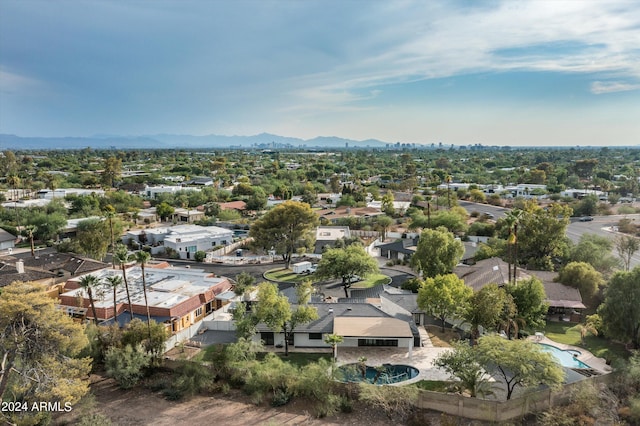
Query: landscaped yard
x=287, y=276
x=299, y=359
x=440, y=339
x=372, y=280
x=569, y=334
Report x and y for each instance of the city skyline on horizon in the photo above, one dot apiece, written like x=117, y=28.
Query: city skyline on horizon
x=530, y=73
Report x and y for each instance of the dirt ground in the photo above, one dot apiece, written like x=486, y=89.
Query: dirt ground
x=140, y=406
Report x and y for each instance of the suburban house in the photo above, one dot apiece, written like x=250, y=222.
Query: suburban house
x=334, y=215
x=360, y=324
x=181, y=215
x=7, y=240
x=398, y=206
x=52, y=269
x=152, y=192
x=326, y=236
x=177, y=297
x=186, y=240
x=562, y=300
x=389, y=318
x=239, y=206
x=404, y=248
x=199, y=181
x=61, y=193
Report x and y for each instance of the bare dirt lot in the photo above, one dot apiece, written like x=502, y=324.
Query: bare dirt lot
x=140, y=406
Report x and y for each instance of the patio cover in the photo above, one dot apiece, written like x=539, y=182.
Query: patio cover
x=226, y=296
x=371, y=327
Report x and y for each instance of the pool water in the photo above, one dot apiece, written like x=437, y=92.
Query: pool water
x=565, y=358
x=384, y=375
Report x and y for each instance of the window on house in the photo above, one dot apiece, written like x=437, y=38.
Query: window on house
x=199, y=311
x=377, y=342
x=315, y=336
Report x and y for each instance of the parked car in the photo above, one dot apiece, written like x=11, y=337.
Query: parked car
x=586, y=219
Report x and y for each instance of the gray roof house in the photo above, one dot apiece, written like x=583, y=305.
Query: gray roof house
x=360, y=324
x=496, y=271
x=7, y=240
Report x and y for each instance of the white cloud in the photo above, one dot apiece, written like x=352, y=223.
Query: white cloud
x=426, y=41
x=17, y=84
x=600, y=87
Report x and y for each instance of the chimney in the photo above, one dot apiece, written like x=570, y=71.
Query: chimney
x=20, y=266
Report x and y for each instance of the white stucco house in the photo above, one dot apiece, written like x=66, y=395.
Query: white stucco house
x=186, y=240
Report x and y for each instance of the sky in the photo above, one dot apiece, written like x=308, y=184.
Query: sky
x=542, y=72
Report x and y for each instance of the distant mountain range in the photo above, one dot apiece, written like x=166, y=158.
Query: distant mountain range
x=163, y=141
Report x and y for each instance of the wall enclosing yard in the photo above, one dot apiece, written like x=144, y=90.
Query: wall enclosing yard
x=501, y=411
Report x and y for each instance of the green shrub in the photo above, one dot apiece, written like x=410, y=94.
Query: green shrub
x=192, y=378
x=126, y=365
x=281, y=397
x=94, y=419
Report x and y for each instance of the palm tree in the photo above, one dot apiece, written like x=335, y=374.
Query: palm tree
x=142, y=257
x=448, y=179
x=14, y=181
x=29, y=232
x=115, y=281
x=121, y=255
x=586, y=328
x=88, y=282
x=513, y=218
x=110, y=212
x=50, y=180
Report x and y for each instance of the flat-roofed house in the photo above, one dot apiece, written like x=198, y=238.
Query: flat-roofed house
x=177, y=297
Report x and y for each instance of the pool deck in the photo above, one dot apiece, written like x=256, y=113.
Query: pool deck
x=585, y=356
x=421, y=358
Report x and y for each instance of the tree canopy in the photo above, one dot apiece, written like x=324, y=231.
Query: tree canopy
x=444, y=296
x=438, y=252
x=542, y=240
x=518, y=363
x=275, y=310
x=345, y=264
x=582, y=276
x=39, y=345
x=529, y=298
x=620, y=310
x=286, y=228
x=485, y=308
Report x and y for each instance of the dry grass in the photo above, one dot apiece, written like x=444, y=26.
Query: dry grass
x=440, y=339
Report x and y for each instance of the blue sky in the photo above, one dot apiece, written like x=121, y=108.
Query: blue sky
x=508, y=72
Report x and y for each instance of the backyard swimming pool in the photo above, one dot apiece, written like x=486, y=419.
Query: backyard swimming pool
x=383, y=375
x=567, y=358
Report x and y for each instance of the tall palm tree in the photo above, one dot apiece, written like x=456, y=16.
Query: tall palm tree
x=110, y=213
x=29, y=232
x=448, y=179
x=121, y=255
x=115, y=281
x=88, y=282
x=142, y=257
x=50, y=180
x=14, y=182
x=513, y=218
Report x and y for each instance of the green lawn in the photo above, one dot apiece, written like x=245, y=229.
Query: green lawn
x=287, y=276
x=568, y=334
x=372, y=281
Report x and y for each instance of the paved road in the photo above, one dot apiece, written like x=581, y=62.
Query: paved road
x=602, y=226
x=497, y=212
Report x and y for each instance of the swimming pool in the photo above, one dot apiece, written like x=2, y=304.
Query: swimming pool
x=566, y=358
x=383, y=375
